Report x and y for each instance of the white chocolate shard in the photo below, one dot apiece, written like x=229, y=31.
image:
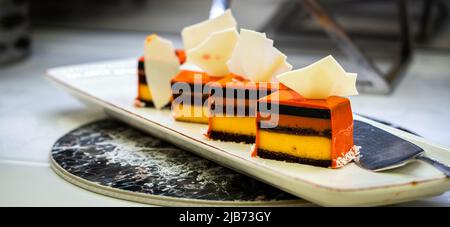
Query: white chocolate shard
x=320, y=80
x=255, y=58
x=195, y=34
x=190, y=67
x=347, y=86
x=213, y=53
x=161, y=65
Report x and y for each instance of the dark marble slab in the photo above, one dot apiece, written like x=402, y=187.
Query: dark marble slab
x=112, y=154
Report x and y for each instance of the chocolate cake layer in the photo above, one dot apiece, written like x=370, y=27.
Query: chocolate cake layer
x=296, y=111
x=223, y=136
x=141, y=73
x=297, y=131
x=142, y=78
x=235, y=93
x=290, y=158
x=221, y=110
x=141, y=64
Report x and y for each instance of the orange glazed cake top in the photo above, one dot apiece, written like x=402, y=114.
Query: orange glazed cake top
x=181, y=54
x=188, y=76
x=239, y=82
x=289, y=97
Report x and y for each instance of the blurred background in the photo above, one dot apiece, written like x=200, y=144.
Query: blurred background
x=379, y=37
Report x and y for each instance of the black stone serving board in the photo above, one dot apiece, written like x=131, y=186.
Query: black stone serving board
x=111, y=154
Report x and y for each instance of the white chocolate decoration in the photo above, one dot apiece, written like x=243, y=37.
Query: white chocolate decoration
x=195, y=34
x=320, y=80
x=190, y=67
x=161, y=65
x=255, y=58
x=213, y=53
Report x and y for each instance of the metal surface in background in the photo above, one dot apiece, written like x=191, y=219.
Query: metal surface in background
x=377, y=36
x=15, y=39
x=367, y=32
x=218, y=7
x=375, y=81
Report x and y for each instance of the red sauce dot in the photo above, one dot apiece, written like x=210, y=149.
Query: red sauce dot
x=217, y=57
x=206, y=57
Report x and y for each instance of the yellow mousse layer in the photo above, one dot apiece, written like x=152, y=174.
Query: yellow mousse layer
x=144, y=92
x=190, y=113
x=234, y=125
x=310, y=147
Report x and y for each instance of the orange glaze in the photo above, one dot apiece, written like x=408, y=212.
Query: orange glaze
x=181, y=54
x=341, y=118
x=290, y=121
x=188, y=76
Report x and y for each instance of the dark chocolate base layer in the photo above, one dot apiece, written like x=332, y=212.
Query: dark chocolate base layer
x=223, y=136
x=290, y=158
x=142, y=78
x=295, y=111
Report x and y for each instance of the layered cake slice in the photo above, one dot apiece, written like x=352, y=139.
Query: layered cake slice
x=309, y=131
x=208, y=45
x=144, y=96
x=160, y=63
x=309, y=123
x=233, y=108
x=189, y=94
x=253, y=64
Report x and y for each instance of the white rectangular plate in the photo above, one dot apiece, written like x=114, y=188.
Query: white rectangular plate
x=113, y=86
